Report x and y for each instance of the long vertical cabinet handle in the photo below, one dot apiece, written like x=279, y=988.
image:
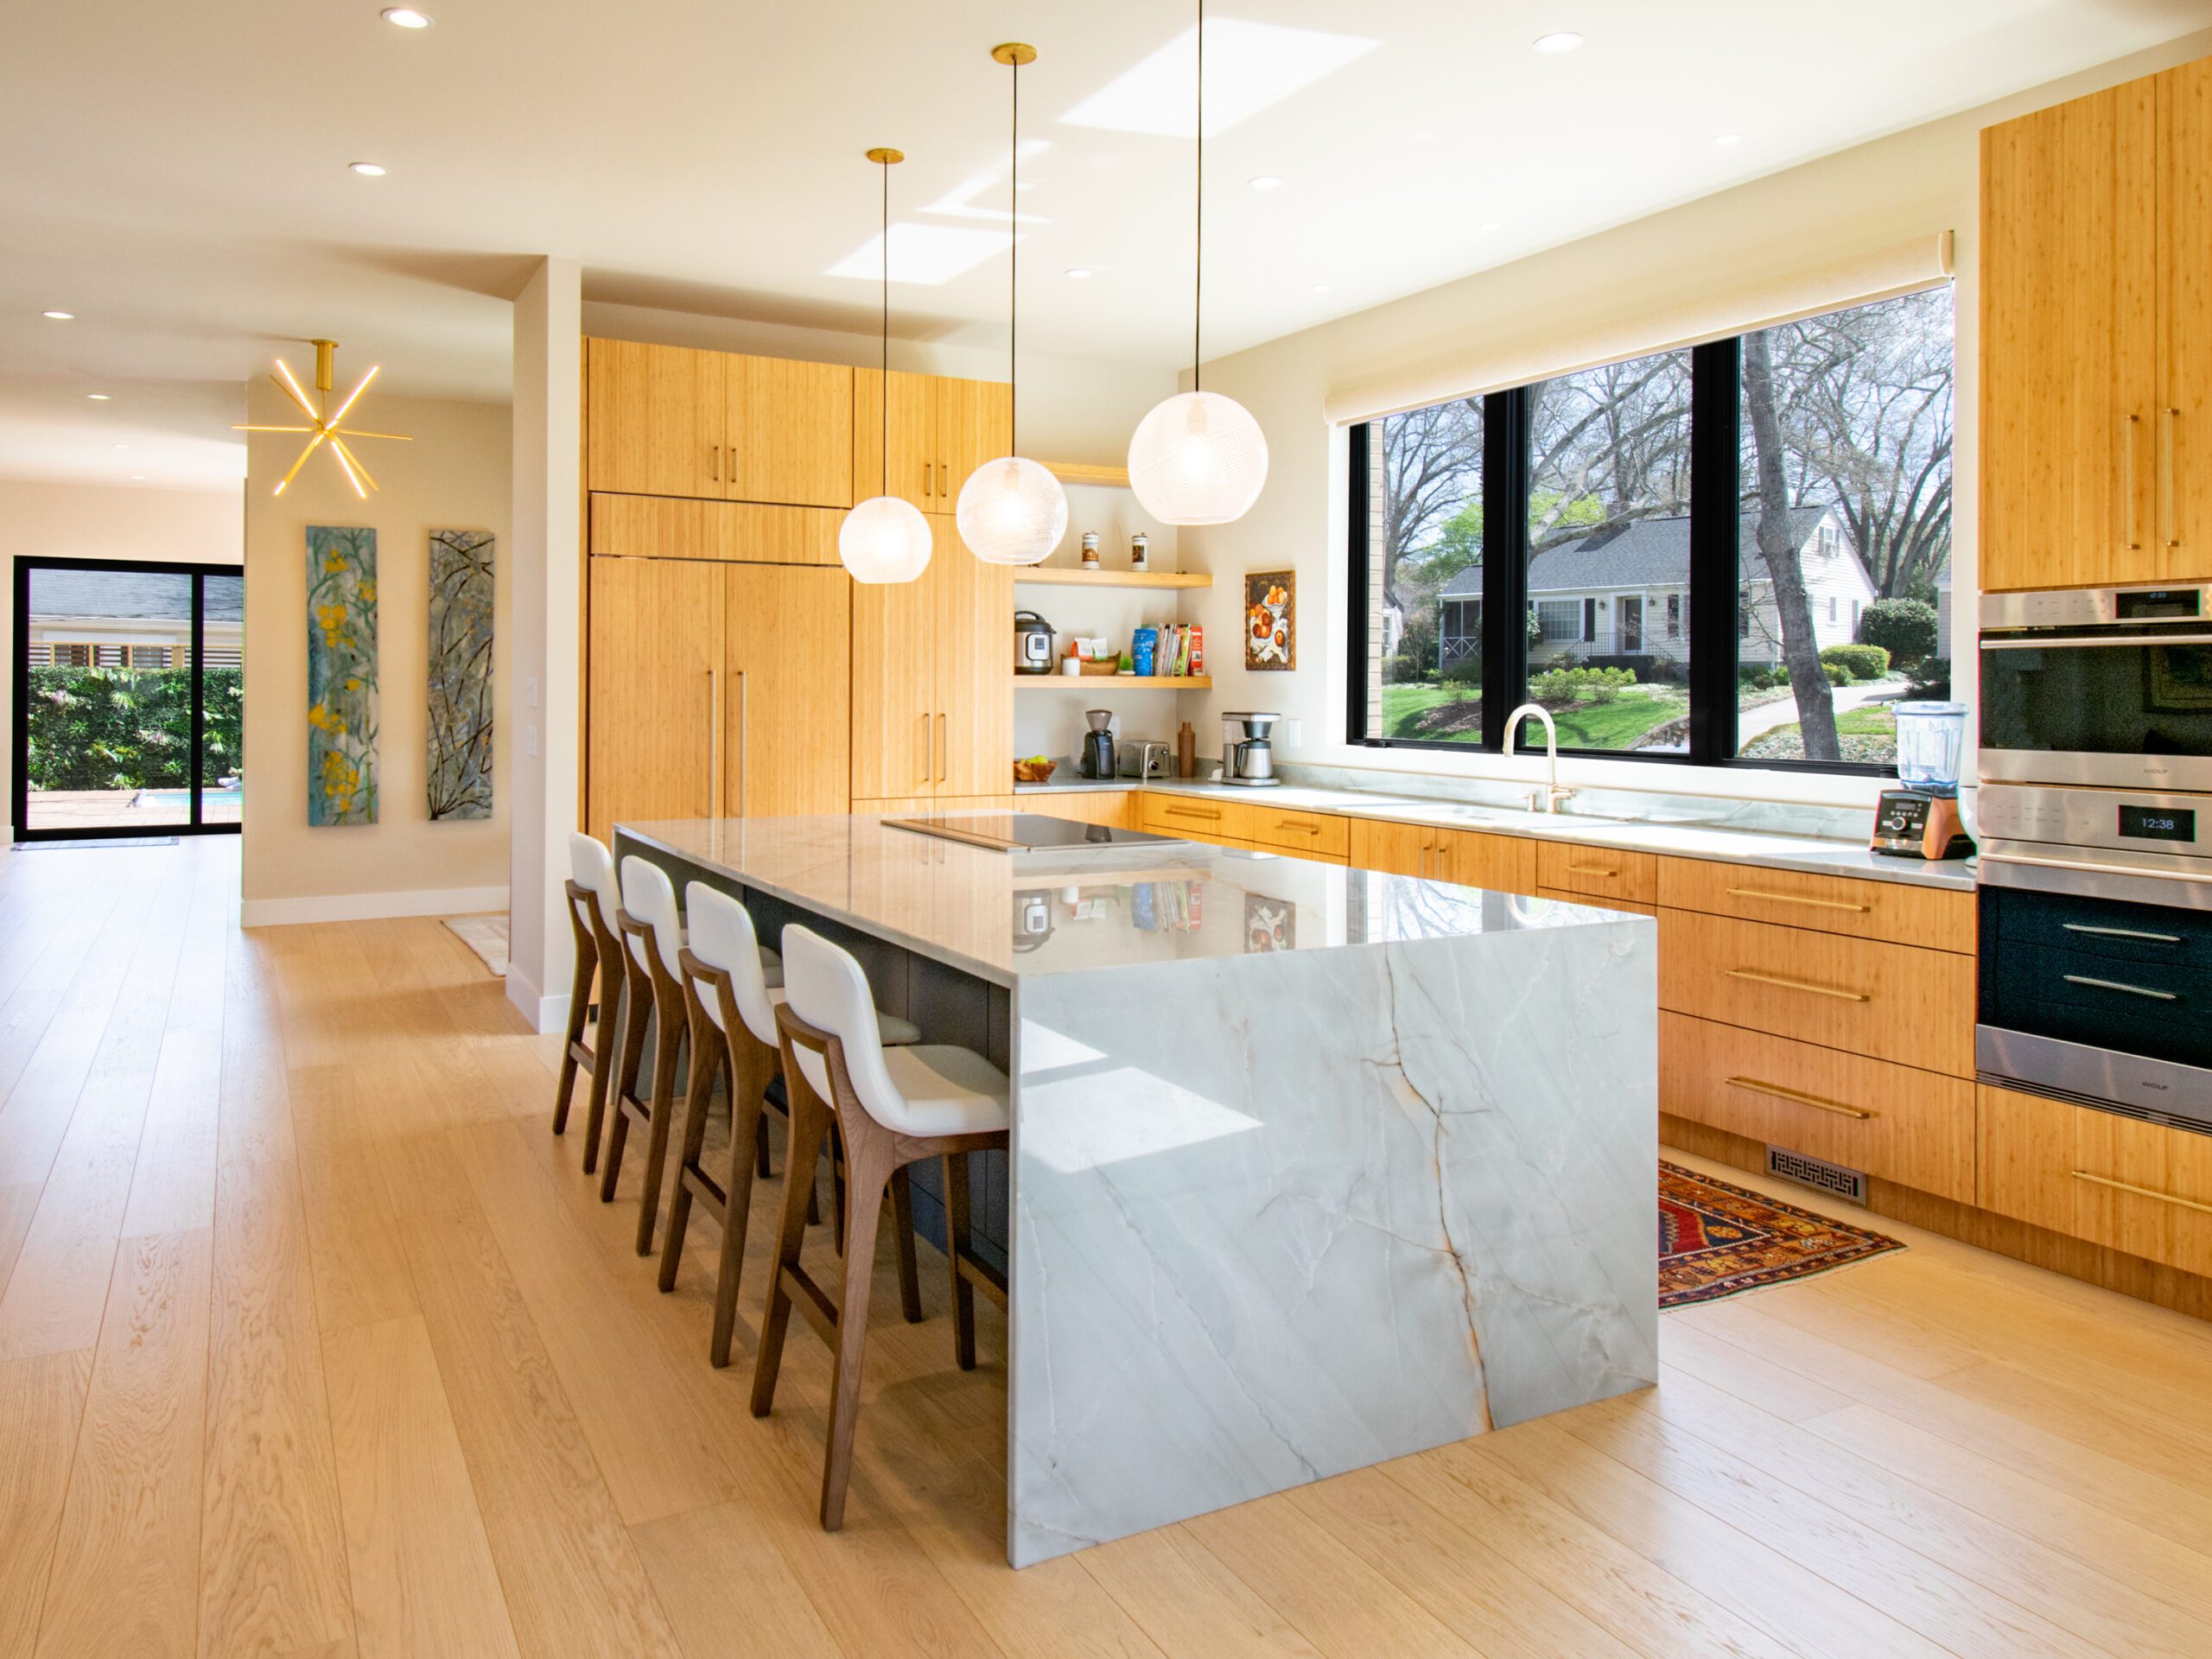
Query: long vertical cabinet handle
x=2127, y=483
x=2169, y=438
x=713, y=743
x=944, y=752
x=926, y=492
x=926, y=749
x=715, y=461
x=744, y=742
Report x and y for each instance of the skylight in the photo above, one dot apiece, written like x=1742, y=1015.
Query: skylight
x=928, y=254
x=1250, y=67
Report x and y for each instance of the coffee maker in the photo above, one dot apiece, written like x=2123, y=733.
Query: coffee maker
x=1246, y=750
x=1097, y=759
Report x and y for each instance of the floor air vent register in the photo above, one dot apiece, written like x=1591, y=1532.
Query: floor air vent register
x=1817, y=1173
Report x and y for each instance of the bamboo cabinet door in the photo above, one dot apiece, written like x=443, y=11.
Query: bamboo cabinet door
x=789, y=426
x=974, y=731
x=786, y=709
x=913, y=474
x=2069, y=347
x=2184, y=513
x=655, y=672
x=974, y=425
x=653, y=416
x=1393, y=848
x=894, y=684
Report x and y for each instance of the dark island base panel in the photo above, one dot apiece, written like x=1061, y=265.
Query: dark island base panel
x=948, y=1006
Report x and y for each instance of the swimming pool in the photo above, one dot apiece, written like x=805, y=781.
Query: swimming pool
x=181, y=798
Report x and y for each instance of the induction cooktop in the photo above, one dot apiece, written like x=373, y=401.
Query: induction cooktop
x=1026, y=832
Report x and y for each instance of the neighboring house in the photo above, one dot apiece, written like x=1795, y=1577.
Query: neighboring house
x=129, y=618
x=1943, y=612
x=1625, y=592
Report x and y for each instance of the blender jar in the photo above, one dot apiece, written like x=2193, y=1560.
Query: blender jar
x=1931, y=739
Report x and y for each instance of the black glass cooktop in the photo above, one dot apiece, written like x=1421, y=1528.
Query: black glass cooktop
x=1023, y=832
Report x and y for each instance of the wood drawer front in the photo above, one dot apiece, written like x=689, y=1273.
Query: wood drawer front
x=1887, y=1001
x=1927, y=917
x=1115, y=808
x=1501, y=863
x=1911, y=1127
x=648, y=527
x=1596, y=899
x=745, y=532
x=1196, y=819
x=1317, y=835
x=2130, y=1186
x=1601, y=871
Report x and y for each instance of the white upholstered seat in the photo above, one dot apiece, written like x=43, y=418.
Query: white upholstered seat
x=721, y=935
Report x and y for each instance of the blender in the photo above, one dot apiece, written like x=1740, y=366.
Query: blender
x=1920, y=819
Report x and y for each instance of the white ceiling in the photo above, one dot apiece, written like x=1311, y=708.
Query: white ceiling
x=177, y=172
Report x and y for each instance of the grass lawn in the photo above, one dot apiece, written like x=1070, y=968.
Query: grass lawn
x=1615, y=725
x=1867, y=733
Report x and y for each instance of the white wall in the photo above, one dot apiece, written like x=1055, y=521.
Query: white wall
x=454, y=475
x=1916, y=183
x=93, y=521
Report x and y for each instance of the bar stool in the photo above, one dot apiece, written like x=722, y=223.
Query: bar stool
x=653, y=931
x=893, y=1108
x=594, y=900
x=733, y=1016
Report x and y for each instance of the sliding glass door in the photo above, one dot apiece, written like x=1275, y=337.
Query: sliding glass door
x=129, y=698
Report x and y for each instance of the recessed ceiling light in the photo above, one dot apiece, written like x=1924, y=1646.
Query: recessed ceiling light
x=60, y=316
x=1078, y=272
x=137, y=478
x=123, y=446
x=1564, y=40
x=98, y=397
x=1320, y=288
x=1265, y=181
x=1728, y=138
x=406, y=17
x=367, y=170
x=1025, y=184
x=1487, y=225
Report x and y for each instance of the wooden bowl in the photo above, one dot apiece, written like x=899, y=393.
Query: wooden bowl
x=1033, y=772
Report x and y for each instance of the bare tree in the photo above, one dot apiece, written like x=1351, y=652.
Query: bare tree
x=1778, y=547
x=1609, y=446
x=1432, y=465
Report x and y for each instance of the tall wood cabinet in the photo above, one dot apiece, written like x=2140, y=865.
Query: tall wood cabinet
x=668, y=420
x=2096, y=348
x=941, y=430
x=933, y=708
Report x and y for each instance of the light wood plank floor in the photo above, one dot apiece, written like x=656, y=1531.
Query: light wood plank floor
x=313, y=1340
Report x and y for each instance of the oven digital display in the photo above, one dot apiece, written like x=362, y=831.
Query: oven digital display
x=2160, y=605
x=2159, y=822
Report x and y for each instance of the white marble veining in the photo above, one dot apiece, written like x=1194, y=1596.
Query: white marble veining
x=1279, y=1217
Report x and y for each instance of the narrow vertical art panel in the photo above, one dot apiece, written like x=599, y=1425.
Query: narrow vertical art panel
x=341, y=674
x=461, y=674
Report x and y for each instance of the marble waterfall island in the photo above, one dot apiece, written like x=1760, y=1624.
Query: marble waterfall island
x=1312, y=1167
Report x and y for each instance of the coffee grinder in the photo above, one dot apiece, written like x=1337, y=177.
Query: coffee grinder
x=1920, y=819
x=1097, y=759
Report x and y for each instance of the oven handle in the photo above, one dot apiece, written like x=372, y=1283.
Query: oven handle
x=2122, y=933
x=2051, y=642
x=2096, y=869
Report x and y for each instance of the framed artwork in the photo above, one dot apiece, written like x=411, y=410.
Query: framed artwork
x=1271, y=620
x=460, y=770
x=342, y=675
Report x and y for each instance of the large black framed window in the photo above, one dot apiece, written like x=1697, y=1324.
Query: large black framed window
x=1733, y=555
x=129, y=699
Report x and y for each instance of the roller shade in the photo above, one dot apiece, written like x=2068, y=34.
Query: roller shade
x=1905, y=268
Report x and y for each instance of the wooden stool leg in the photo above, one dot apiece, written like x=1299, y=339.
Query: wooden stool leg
x=698, y=1091
x=745, y=1104
x=868, y=1172
x=760, y=1146
x=607, y=1048
x=636, y=1011
x=956, y=1239
x=662, y=1108
x=579, y=1005
x=902, y=1224
x=809, y=1126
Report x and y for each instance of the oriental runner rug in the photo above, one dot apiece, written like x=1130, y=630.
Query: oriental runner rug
x=1717, y=1240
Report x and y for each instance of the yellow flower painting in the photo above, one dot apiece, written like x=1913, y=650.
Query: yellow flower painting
x=342, y=675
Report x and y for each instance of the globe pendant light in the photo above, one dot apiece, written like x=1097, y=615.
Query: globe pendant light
x=885, y=538
x=1199, y=458
x=1012, y=511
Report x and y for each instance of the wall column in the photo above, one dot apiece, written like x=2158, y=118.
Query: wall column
x=548, y=763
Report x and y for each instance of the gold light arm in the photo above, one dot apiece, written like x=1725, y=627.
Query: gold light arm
x=346, y=467
x=272, y=429
x=352, y=396
x=302, y=461
x=351, y=462
x=396, y=437
x=284, y=378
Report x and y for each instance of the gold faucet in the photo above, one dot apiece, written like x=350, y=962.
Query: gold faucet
x=1547, y=799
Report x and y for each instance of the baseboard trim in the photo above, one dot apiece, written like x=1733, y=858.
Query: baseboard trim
x=544, y=1014
x=370, y=907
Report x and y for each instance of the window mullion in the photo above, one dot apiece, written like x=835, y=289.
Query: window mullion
x=1505, y=559
x=1716, y=496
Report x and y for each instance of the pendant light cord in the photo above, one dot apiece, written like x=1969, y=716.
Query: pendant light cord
x=884, y=454
x=1199, y=238
x=1014, y=266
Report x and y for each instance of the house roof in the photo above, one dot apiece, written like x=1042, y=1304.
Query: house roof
x=130, y=594
x=1648, y=553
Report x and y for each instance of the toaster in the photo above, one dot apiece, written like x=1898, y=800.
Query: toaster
x=1139, y=758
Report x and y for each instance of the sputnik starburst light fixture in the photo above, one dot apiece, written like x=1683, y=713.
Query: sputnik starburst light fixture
x=326, y=426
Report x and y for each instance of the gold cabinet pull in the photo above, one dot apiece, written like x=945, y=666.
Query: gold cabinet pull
x=925, y=749
x=1606, y=871
x=944, y=752
x=1798, y=985
x=1754, y=1086
x=2144, y=1191
x=2116, y=985
x=926, y=490
x=713, y=743
x=715, y=461
x=2168, y=438
x=1302, y=828
x=1207, y=813
x=2127, y=482
x=1797, y=899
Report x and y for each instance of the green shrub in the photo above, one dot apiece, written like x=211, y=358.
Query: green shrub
x=1837, y=673
x=1580, y=684
x=129, y=728
x=1864, y=662
x=1907, y=627
x=1930, y=680
x=1463, y=671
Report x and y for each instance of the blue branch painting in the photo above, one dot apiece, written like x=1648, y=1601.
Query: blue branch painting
x=342, y=675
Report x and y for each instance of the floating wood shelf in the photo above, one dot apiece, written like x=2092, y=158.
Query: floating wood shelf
x=1069, y=575
x=1096, y=682
x=1079, y=471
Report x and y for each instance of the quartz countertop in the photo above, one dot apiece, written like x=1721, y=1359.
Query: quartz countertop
x=1005, y=917
x=1679, y=840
